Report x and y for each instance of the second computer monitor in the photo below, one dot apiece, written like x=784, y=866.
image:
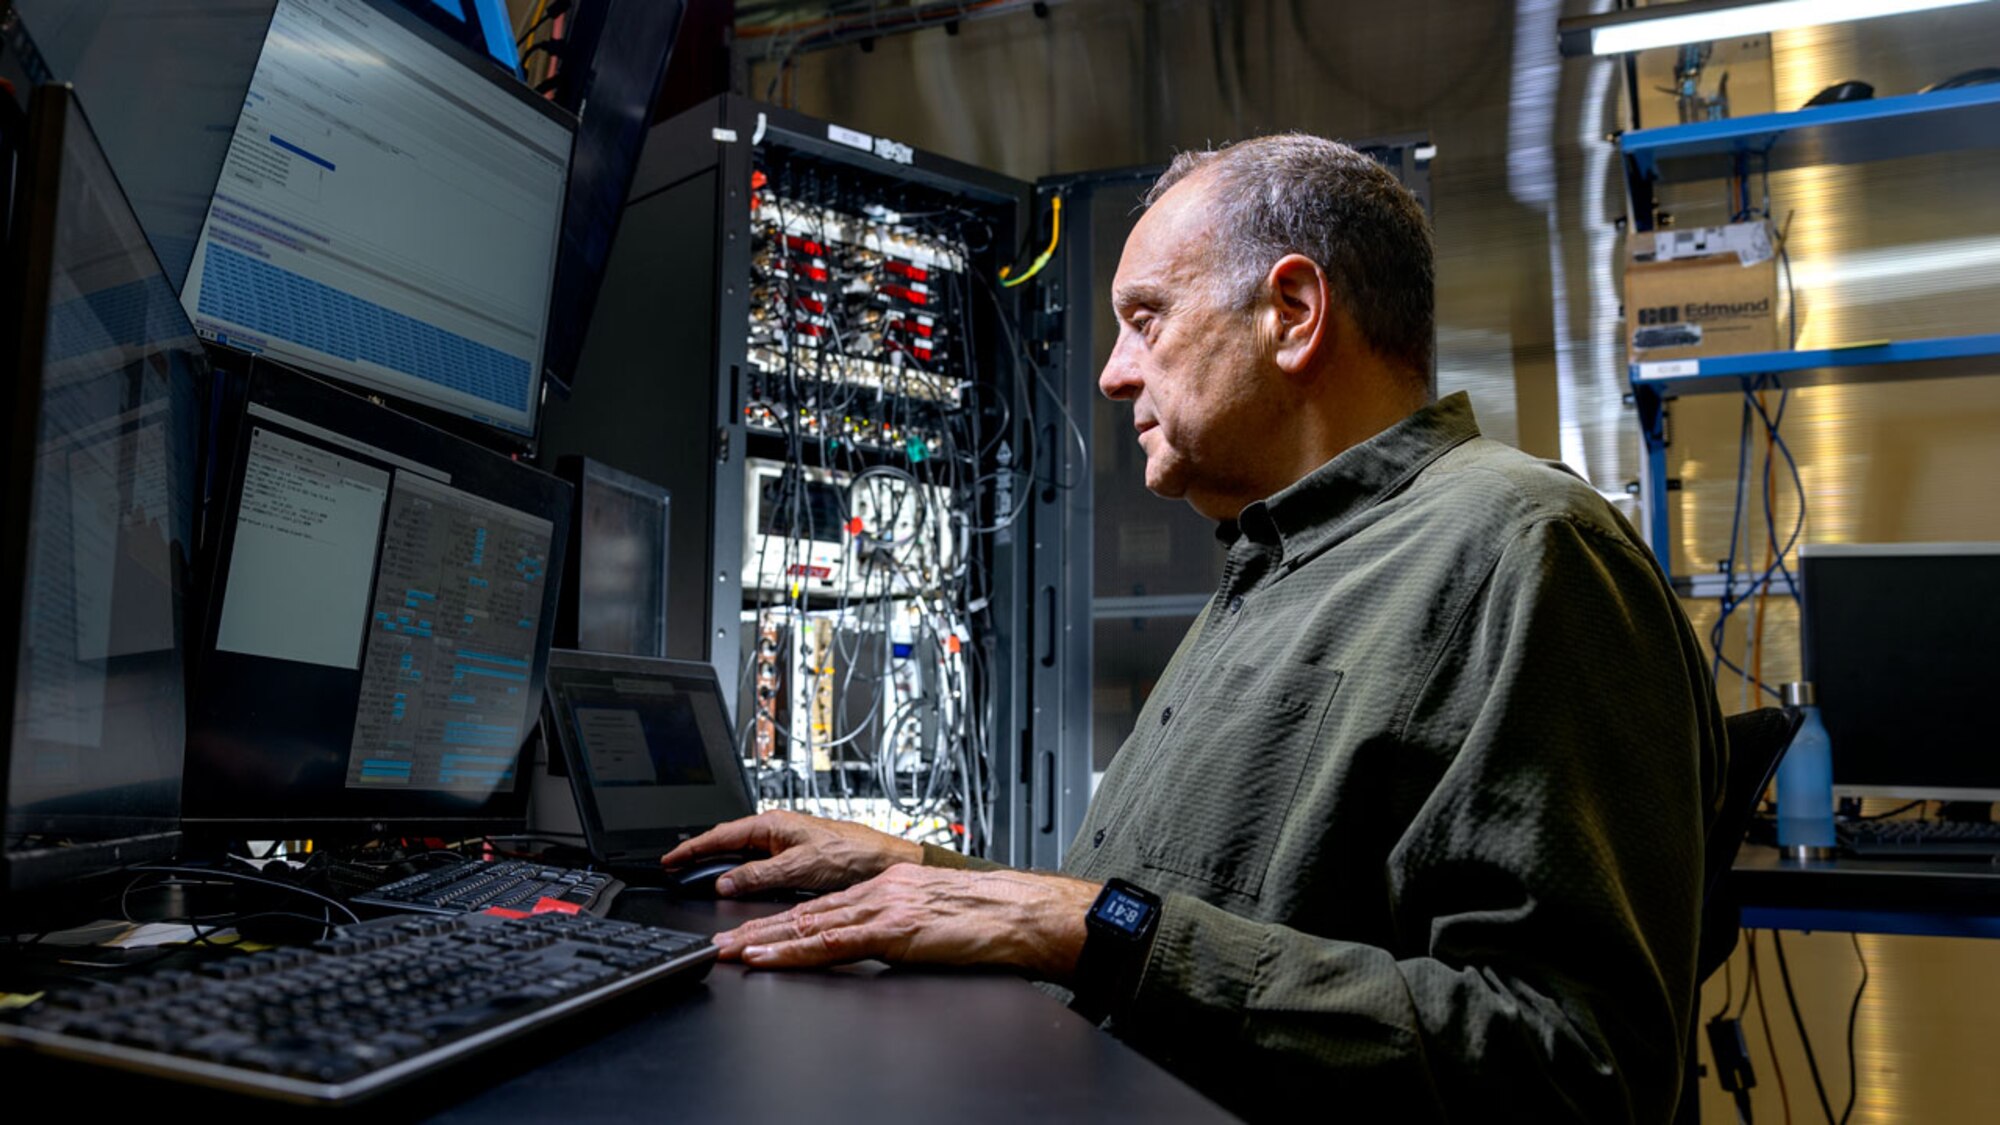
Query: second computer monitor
x=615, y=588
x=382, y=600
x=1898, y=641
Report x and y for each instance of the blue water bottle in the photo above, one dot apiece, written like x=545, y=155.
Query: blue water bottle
x=1805, y=782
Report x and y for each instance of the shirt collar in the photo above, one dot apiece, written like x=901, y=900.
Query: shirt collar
x=1306, y=513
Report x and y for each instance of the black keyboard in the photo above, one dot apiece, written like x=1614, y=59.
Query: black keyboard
x=373, y=1005
x=468, y=886
x=1921, y=839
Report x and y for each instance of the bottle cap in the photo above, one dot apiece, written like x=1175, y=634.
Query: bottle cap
x=1799, y=694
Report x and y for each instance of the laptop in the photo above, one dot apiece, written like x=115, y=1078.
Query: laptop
x=649, y=749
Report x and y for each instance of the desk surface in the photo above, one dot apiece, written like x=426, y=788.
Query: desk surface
x=1935, y=897
x=862, y=1044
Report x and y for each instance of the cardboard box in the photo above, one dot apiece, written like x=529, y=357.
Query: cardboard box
x=1691, y=294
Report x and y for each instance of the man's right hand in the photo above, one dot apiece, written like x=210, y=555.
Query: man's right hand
x=807, y=853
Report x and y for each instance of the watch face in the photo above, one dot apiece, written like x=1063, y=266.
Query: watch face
x=1123, y=911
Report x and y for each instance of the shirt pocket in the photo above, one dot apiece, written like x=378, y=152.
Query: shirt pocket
x=1223, y=789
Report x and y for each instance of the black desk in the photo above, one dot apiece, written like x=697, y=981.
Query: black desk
x=1875, y=896
x=862, y=1044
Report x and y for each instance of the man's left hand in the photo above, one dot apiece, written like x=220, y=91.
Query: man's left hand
x=928, y=915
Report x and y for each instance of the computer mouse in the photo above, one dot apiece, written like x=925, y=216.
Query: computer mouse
x=697, y=879
x=1848, y=91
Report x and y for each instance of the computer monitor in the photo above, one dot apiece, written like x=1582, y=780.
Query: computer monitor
x=649, y=750
x=1898, y=642
x=628, y=43
x=381, y=602
x=387, y=215
x=615, y=588
x=97, y=498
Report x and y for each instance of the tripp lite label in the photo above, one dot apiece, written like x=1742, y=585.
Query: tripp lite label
x=852, y=138
x=894, y=152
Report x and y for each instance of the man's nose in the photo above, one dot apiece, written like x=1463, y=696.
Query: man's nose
x=1120, y=378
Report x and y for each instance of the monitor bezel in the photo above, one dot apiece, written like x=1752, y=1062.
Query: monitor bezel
x=495, y=435
x=299, y=394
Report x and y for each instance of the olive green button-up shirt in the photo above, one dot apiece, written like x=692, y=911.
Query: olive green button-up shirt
x=1424, y=791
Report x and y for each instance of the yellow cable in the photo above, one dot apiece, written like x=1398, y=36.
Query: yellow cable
x=534, y=21
x=1055, y=236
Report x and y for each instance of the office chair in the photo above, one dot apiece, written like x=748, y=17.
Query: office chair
x=1757, y=741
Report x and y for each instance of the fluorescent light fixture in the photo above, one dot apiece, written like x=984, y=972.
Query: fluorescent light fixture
x=1702, y=21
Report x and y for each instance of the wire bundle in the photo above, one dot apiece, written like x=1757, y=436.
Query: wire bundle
x=863, y=334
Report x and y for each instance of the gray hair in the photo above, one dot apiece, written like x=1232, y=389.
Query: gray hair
x=1293, y=193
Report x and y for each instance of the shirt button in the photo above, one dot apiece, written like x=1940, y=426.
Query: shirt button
x=1097, y=841
x=1235, y=602
x=1166, y=715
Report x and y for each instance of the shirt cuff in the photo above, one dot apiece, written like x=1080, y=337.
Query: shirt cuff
x=1203, y=958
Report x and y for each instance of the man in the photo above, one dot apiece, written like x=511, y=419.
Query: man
x=1421, y=797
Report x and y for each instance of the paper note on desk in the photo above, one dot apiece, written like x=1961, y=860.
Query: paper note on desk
x=159, y=933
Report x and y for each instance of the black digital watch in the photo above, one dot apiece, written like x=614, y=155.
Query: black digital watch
x=1118, y=936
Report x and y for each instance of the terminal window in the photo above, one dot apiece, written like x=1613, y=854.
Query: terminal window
x=451, y=642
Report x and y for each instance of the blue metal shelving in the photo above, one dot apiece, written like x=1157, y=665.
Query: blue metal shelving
x=1845, y=133
x=1940, y=358
x=1653, y=384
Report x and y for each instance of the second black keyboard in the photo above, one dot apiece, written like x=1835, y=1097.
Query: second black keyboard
x=469, y=886
x=1921, y=839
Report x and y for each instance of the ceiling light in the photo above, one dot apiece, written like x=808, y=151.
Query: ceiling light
x=1702, y=21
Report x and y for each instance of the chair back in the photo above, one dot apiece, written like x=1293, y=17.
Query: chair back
x=1757, y=741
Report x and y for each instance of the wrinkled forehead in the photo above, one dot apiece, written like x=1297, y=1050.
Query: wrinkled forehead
x=1170, y=247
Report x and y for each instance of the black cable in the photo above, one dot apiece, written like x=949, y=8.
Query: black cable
x=218, y=873
x=1728, y=985
x=555, y=8
x=1749, y=971
x=232, y=921
x=1854, y=1011
x=1805, y=1040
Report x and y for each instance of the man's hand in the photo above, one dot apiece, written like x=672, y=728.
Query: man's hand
x=807, y=853
x=929, y=915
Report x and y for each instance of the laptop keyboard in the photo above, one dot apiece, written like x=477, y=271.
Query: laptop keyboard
x=469, y=886
x=373, y=1005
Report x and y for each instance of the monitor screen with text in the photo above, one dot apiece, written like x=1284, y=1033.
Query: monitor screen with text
x=387, y=214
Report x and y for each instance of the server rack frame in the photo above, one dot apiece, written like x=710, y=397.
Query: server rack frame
x=660, y=391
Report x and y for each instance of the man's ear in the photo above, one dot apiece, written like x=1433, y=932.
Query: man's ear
x=1299, y=312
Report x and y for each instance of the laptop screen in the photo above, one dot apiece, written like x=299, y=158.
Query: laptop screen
x=648, y=746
